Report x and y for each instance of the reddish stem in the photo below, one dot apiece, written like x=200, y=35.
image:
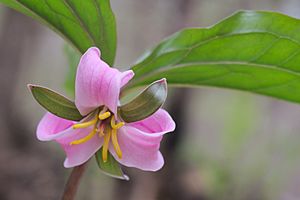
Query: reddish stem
x=73, y=182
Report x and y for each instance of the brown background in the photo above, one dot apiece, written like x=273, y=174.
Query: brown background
x=228, y=145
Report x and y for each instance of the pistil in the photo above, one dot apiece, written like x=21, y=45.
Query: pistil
x=108, y=129
x=101, y=130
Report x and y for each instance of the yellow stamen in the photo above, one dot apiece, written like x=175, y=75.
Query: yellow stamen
x=86, y=138
x=85, y=124
x=104, y=115
x=114, y=140
x=105, y=145
x=114, y=125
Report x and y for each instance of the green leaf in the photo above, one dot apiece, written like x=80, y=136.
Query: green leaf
x=55, y=103
x=255, y=51
x=111, y=167
x=83, y=23
x=146, y=103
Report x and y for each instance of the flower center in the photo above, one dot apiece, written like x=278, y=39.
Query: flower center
x=104, y=125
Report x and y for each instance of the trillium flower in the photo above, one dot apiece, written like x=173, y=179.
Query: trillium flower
x=97, y=90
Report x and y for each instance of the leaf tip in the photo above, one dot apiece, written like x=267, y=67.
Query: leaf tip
x=30, y=86
x=126, y=178
x=162, y=82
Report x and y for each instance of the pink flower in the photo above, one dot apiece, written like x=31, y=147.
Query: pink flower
x=97, y=92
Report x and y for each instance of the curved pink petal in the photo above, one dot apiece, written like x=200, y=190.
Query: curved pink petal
x=157, y=124
x=97, y=84
x=126, y=77
x=140, y=141
x=52, y=127
x=80, y=153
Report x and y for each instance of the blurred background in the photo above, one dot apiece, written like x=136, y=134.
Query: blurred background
x=228, y=145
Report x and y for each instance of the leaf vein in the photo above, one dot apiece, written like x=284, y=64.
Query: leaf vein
x=85, y=28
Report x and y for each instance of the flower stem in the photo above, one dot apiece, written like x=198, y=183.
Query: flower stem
x=73, y=182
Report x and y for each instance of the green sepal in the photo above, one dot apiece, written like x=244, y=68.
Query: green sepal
x=111, y=167
x=55, y=103
x=146, y=103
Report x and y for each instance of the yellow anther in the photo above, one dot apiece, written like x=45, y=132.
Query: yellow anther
x=114, y=140
x=104, y=115
x=86, y=138
x=114, y=125
x=105, y=145
x=85, y=124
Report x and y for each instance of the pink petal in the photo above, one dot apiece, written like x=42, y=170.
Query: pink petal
x=52, y=127
x=80, y=153
x=157, y=124
x=126, y=77
x=97, y=84
x=140, y=141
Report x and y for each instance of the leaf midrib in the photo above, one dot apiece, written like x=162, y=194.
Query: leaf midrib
x=41, y=19
x=225, y=63
x=100, y=18
x=202, y=42
x=62, y=101
x=33, y=13
x=77, y=16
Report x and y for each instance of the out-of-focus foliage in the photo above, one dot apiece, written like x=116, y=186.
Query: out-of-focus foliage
x=73, y=58
x=241, y=155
